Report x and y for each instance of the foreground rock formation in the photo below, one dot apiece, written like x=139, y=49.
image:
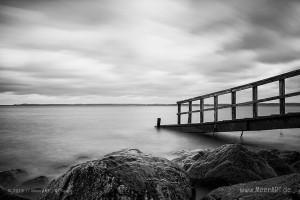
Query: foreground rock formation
x=123, y=175
x=225, y=165
x=279, y=188
x=4, y=195
x=11, y=178
x=38, y=182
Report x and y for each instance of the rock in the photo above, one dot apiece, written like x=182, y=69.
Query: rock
x=290, y=156
x=280, y=166
x=296, y=166
x=5, y=195
x=279, y=188
x=12, y=177
x=38, y=182
x=186, y=158
x=123, y=175
x=226, y=165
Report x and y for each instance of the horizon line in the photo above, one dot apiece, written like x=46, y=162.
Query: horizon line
x=126, y=104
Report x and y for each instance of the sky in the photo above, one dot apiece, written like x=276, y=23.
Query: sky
x=142, y=51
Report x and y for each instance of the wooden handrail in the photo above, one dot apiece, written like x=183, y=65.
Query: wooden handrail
x=246, y=86
x=255, y=101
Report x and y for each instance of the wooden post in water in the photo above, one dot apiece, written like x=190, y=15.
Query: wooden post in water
x=282, y=96
x=201, y=110
x=215, y=108
x=158, y=123
x=254, y=98
x=233, y=107
x=190, y=113
x=178, y=113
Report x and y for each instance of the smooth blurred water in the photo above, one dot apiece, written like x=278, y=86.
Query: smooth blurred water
x=48, y=139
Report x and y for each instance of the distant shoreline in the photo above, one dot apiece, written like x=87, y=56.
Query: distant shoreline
x=107, y=104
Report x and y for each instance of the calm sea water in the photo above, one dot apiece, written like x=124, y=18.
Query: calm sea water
x=45, y=140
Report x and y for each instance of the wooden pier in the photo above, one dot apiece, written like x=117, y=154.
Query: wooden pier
x=282, y=120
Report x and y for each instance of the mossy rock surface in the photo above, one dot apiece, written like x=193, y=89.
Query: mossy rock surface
x=284, y=187
x=226, y=165
x=123, y=175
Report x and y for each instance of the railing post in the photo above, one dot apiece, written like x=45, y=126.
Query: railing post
x=282, y=96
x=201, y=110
x=190, y=113
x=158, y=123
x=178, y=113
x=215, y=108
x=233, y=107
x=254, y=99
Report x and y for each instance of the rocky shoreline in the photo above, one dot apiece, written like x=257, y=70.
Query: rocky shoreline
x=233, y=171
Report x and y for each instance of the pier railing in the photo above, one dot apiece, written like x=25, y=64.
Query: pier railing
x=282, y=95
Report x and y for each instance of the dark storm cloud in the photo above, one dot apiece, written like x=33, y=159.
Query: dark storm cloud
x=141, y=50
x=272, y=31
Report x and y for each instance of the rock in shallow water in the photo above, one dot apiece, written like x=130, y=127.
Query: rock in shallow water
x=4, y=195
x=280, y=166
x=38, y=182
x=279, y=188
x=226, y=165
x=123, y=175
x=12, y=178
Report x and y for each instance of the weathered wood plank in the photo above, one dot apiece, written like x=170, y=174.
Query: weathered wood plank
x=254, y=99
x=246, y=86
x=190, y=113
x=233, y=102
x=281, y=95
x=201, y=110
x=290, y=120
x=178, y=113
x=215, y=108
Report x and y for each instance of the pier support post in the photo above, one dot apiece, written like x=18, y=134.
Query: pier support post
x=178, y=113
x=158, y=123
x=190, y=113
x=233, y=102
x=254, y=98
x=282, y=96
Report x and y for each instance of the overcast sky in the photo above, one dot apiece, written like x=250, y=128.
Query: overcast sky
x=142, y=51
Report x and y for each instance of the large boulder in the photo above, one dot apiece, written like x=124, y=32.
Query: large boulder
x=280, y=166
x=226, y=165
x=11, y=178
x=5, y=195
x=283, y=162
x=279, y=188
x=123, y=175
x=37, y=182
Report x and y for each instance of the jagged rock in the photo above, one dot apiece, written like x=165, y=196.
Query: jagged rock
x=226, y=165
x=186, y=158
x=290, y=156
x=296, y=166
x=280, y=166
x=279, y=188
x=5, y=195
x=38, y=182
x=123, y=175
x=12, y=177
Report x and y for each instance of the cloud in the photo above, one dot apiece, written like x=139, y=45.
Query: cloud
x=140, y=50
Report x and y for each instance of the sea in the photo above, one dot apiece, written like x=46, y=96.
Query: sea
x=47, y=140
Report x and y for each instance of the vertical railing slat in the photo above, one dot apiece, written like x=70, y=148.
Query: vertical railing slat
x=190, y=113
x=254, y=99
x=178, y=113
x=282, y=96
x=216, y=108
x=233, y=107
x=201, y=110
